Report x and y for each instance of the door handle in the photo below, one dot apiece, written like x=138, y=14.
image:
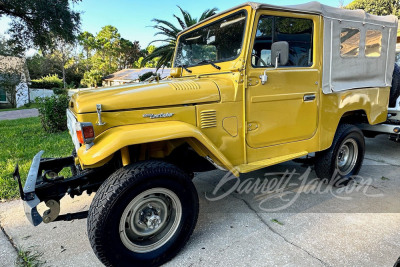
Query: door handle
x=308, y=98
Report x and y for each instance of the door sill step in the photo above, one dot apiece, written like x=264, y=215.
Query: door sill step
x=245, y=168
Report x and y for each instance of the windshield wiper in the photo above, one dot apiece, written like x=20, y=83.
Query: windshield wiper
x=209, y=62
x=185, y=68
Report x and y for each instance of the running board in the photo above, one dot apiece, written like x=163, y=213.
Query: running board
x=245, y=168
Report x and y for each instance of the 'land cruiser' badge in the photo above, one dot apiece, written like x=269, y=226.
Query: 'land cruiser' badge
x=158, y=116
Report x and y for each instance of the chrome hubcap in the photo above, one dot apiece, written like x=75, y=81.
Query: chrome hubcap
x=150, y=220
x=347, y=157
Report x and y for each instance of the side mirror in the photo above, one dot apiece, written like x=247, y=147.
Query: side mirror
x=175, y=72
x=280, y=53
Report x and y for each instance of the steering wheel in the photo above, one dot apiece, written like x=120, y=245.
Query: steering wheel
x=260, y=60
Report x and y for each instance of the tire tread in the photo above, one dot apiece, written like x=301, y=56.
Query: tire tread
x=113, y=187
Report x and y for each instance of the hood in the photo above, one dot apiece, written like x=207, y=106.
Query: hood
x=133, y=96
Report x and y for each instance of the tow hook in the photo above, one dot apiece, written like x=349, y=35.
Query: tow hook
x=52, y=213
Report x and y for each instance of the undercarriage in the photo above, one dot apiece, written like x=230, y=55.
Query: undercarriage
x=44, y=184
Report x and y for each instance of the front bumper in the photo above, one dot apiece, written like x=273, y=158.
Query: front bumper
x=44, y=184
x=28, y=195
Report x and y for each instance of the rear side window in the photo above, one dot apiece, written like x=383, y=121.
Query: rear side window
x=349, y=42
x=297, y=32
x=373, y=43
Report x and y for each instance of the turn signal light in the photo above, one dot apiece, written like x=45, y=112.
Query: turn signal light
x=85, y=132
x=396, y=130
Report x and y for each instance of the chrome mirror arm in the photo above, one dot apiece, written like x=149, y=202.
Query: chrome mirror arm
x=264, y=77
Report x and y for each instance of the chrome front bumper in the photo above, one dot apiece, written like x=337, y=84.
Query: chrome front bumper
x=28, y=195
x=44, y=184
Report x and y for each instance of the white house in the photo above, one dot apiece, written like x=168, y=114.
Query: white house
x=14, y=78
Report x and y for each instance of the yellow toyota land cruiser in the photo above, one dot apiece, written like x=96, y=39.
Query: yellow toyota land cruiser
x=251, y=87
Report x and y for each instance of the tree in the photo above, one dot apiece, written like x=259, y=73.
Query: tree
x=377, y=7
x=129, y=52
x=106, y=53
x=61, y=53
x=92, y=78
x=38, y=22
x=8, y=48
x=107, y=44
x=56, y=62
x=88, y=42
x=167, y=29
x=144, y=53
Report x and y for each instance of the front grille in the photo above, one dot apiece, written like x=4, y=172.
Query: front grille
x=208, y=119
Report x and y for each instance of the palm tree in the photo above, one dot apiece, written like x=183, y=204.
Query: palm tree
x=165, y=52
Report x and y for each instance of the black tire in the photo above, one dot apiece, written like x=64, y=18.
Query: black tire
x=114, y=198
x=395, y=89
x=327, y=162
x=397, y=264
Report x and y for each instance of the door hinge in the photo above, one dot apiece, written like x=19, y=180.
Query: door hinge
x=251, y=126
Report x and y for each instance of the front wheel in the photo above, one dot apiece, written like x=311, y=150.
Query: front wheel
x=343, y=160
x=142, y=215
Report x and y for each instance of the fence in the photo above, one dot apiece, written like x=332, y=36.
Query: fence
x=35, y=93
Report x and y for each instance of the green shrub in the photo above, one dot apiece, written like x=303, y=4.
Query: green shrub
x=60, y=91
x=47, y=82
x=52, y=113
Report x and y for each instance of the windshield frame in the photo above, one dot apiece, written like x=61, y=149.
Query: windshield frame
x=244, y=11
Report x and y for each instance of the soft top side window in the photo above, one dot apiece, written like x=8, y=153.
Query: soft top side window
x=373, y=43
x=350, y=42
x=297, y=32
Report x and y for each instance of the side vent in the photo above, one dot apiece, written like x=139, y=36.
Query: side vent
x=208, y=119
x=185, y=85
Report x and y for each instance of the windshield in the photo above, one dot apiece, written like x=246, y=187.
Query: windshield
x=215, y=42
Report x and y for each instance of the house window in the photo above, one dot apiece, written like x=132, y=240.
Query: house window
x=349, y=42
x=3, y=97
x=373, y=43
x=298, y=32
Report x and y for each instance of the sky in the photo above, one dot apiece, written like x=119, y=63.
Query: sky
x=133, y=18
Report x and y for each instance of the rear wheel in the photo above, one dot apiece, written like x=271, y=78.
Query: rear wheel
x=343, y=160
x=142, y=215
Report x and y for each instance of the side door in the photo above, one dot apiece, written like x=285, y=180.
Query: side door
x=285, y=108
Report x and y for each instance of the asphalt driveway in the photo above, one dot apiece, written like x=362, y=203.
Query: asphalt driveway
x=299, y=222
x=18, y=114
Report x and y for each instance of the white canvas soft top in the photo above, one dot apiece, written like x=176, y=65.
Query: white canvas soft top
x=331, y=12
x=345, y=73
x=314, y=8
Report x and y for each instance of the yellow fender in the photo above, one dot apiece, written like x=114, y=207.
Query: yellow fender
x=114, y=139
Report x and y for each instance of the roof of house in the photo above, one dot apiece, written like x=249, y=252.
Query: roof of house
x=10, y=64
x=128, y=75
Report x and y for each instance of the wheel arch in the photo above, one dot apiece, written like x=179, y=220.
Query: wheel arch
x=173, y=132
x=347, y=117
x=354, y=117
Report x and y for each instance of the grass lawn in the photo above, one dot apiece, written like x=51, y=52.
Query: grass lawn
x=20, y=140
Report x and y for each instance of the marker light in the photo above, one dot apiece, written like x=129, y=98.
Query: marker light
x=85, y=132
